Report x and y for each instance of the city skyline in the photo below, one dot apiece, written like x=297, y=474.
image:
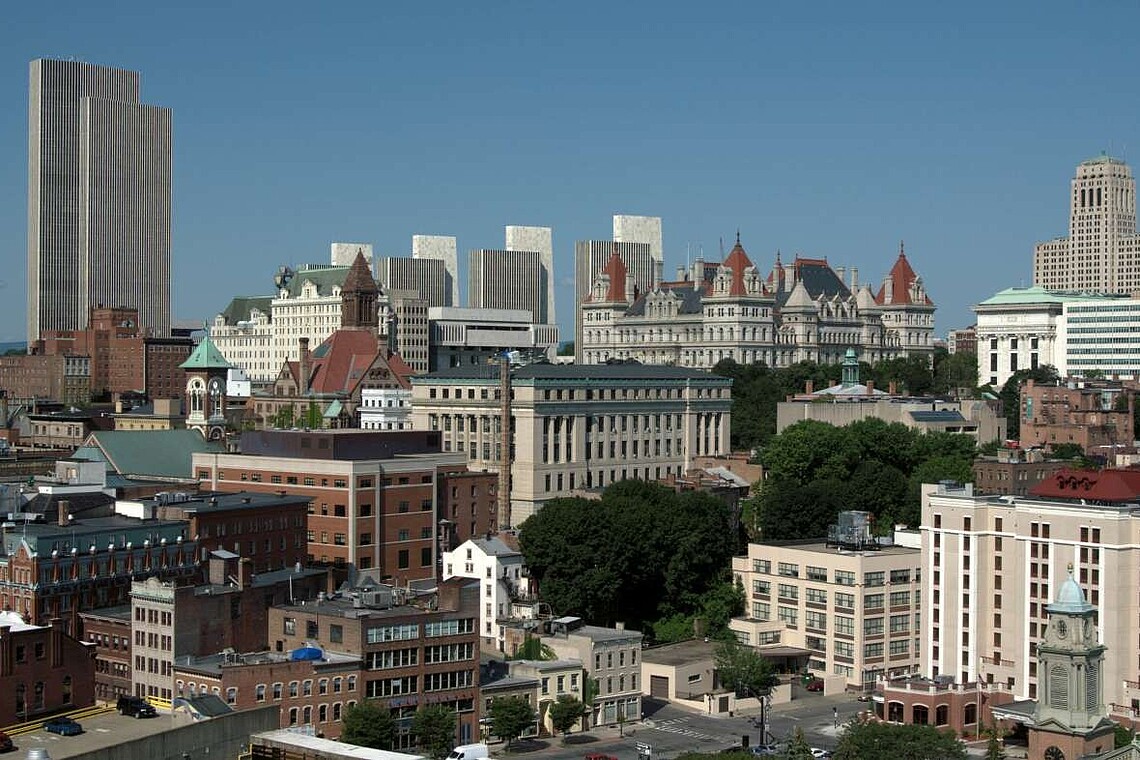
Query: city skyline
x=831, y=134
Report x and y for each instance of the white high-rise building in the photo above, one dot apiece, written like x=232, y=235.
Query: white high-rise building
x=1102, y=250
x=442, y=248
x=506, y=280
x=343, y=254
x=540, y=240
x=99, y=173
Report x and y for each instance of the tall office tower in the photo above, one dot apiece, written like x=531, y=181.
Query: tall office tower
x=98, y=197
x=507, y=280
x=541, y=240
x=1102, y=251
x=427, y=278
x=590, y=257
x=441, y=247
x=344, y=254
x=642, y=229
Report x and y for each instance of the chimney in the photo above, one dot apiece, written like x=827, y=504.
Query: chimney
x=64, y=508
x=57, y=635
x=303, y=366
x=870, y=387
x=630, y=289
x=245, y=573
x=681, y=273
x=699, y=270
x=888, y=289
x=841, y=272
x=3, y=409
x=809, y=387
x=619, y=625
x=892, y=388
x=854, y=277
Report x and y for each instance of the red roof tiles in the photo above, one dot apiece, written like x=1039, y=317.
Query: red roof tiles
x=1109, y=485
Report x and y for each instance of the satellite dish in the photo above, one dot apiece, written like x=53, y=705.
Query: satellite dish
x=283, y=276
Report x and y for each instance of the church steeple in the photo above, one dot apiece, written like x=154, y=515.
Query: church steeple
x=359, y=295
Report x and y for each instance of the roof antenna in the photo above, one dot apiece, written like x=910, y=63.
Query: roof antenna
x=722, y=247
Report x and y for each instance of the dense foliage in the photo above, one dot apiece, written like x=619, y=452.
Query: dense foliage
x=566, y=712
x=434, y=729
x=369, y=723
x=757, y=389
x=1010, y=395
x=864, y=741
x=742, y=669
x=642, y=554
x=815, y=470
x=510, y=716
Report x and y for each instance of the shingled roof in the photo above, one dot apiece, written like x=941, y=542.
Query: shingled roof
x=343, y=360
x=902, y=278
x=737, y=261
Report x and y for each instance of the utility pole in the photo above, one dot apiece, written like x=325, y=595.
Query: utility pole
x=504, y=502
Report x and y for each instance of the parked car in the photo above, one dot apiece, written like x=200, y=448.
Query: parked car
x=815, y=684
x=599, y=756
x=820, y=754
x=766, y=750
x=6, y=743
x=136, y=707
x=63, y=726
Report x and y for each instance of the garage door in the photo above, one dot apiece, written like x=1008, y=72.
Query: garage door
x=659, y=687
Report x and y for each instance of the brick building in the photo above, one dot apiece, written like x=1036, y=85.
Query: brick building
x=1095, y=415
x=1013, y=471
x=268, y=530
x=422, y=652
x=377, y=497
x=108, y=631
x=28, y=377
x=228, y=611
x=312, y=687
x=43, y=670
x=57, y=570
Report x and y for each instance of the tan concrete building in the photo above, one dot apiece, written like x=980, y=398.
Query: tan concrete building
x=856, y=612
x=577, y=427
x=991, y=565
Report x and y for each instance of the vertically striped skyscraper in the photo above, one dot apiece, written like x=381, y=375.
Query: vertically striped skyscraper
x=98, y=197
x=507, y=280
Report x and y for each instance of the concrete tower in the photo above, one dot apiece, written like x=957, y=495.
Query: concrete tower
x=99, y=175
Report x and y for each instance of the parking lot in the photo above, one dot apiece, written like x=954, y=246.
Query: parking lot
x=98, y=732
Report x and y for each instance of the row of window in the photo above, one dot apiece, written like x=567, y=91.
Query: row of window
x=841, y=577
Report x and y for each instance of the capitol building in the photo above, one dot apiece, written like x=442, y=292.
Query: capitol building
x=802, y=311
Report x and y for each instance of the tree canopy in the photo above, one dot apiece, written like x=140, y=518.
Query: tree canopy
x=434, y=729
x=510, y=716
x=640, y=554
x=369, y=723
x=743, y=669
x=815, y=470
x=566, y=712
x=913, y=742
x=1010, y=395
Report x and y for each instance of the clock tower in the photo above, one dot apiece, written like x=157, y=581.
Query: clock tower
x=1070, y=721
x=205, y=403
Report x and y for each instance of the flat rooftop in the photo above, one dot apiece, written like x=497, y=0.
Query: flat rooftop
x=681, y=653
x=820, y=547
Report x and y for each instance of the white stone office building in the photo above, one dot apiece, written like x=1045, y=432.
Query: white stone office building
x=1100, y=335
x=502, y=572
x=443, y=248
x=499, y=279
x=1101, y=253
x=577, y=427
x=385, y=409
x=466, y=337
x=428, y=279
x=99, y=176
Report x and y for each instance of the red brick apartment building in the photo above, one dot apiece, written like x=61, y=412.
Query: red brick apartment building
x=1095, y=415
x=421, y=652
x=43, y=670
x=378, y=499
x=108, y=632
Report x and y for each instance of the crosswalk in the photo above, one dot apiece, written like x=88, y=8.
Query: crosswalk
x=678, y=726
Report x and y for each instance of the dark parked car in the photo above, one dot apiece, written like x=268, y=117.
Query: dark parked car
x=136, y=707
x=815, y=684
x=63, y=726
x=6, y=743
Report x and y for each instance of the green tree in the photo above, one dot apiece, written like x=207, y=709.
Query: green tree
x=913, y=742
x=313, y=416
x=742, y=669
x=810, y=450
x=789, y=510
x=285, y=417
x=798, y=748
x=1066, y=451
x=566, y=348
x=672, y=628
x=510, y=716
x=532, y=648
x=1121, y=736
x=369, y=723
x=565, y=713
x=955, y=371
x=434, y=729
x=911, y=374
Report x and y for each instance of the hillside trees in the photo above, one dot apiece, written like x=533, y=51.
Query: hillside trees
x=640, y=554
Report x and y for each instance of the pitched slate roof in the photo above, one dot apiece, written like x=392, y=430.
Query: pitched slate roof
x=690, y=298
x=148, y=453
x=359, y=278
x=325, y=279
x=902, y=278
x=240, y=307
x=817, y=277
x=206, y=356
x=737, y=261
x=342, y=361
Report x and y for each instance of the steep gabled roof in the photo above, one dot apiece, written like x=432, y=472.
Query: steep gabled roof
x=153, y=453
x=737, y=261
x=206, y=356
x=799, y=297
x=816, y=275
x=617, y=272
x=902, y=278
x=359, y=278
x=240, y=307
x=690, y=298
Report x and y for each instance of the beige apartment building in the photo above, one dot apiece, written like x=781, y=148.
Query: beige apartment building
x=577, y=427
x=611, y=657
x=991, y=564
x=856, y=612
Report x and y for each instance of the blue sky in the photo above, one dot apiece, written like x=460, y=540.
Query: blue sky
x=829, y=129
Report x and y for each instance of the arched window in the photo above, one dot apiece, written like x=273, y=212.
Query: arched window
x=292, y=716
x=941, y=715
x=920, y=715
x=259, y=692
x=970, y=714
x=323, y=714
x=308, y=715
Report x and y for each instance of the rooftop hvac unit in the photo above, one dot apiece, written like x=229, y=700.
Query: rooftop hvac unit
x=852, y=531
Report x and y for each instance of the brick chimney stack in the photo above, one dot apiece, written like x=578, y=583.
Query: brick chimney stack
x=870, y=387
x=303, y=365
x=64, y=513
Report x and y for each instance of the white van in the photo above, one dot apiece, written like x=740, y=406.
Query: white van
x=469, y=752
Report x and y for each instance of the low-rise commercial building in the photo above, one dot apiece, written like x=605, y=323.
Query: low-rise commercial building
x=1013, y=470
x=108, y=631
x=44, y=670
x=611, y=659
x=1096, y=415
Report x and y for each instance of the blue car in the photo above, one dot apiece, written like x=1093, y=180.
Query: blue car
x=63, y=727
